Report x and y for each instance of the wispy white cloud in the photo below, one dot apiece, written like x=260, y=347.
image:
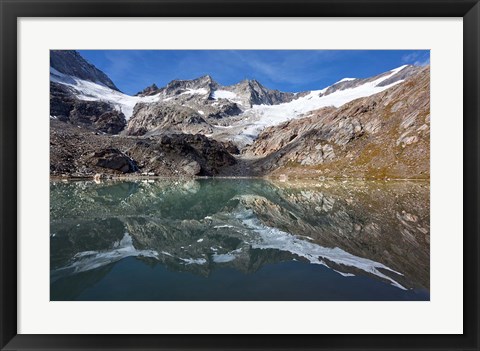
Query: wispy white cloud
x=417, y=58
x=422, y=62
x=295, y=67
x=118, y=63
x=408, y=58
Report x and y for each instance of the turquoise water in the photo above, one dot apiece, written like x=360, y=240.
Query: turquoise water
x=239, y=239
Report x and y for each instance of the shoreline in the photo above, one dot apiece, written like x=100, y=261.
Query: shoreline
x=270, y=178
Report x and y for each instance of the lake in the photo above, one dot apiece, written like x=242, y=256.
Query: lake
x=239, y=239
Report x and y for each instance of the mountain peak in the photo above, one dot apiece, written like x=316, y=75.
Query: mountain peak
x=70, y=62
x=249, y=82
x=205, y=80
x=206, y=77
x=177, y=86
x=150, y=90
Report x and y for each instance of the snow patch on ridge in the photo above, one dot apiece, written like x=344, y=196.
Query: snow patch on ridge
x=345, y=80
x=262, y=116
x=200, y=91
x=223, y=94
x=226, y=257
x=193, y=260
x=223, y=258
x=228, y=95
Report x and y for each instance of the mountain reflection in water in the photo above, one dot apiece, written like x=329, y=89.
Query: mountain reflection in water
x=239, y=239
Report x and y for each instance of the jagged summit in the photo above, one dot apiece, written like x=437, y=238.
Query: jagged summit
x=179, y=86
x=203, y=85
x=254, y=93
x=150, y=90
x=202, y=80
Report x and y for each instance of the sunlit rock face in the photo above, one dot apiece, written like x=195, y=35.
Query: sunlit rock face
x=378, y=230
x=386, y=135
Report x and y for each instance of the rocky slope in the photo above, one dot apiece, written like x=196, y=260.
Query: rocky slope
x=67, y=67
x=79, y=152
x=386, y=135
x=97, y=115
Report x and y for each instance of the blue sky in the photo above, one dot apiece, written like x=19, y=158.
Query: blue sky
x=285, y=70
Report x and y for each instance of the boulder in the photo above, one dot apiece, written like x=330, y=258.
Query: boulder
x=114, y=159
x=192, y=168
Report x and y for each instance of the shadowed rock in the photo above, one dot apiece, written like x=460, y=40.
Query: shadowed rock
x=116, y=160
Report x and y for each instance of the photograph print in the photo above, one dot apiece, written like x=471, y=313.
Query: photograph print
x=239, y=175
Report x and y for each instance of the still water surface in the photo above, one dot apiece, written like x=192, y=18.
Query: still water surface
x=239, y=239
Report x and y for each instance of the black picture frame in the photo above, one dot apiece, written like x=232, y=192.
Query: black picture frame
x=12, y=10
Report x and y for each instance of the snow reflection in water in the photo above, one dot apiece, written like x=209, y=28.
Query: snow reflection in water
x=377, y=231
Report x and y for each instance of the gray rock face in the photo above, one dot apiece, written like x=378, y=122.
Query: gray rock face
x=72, y=63
x=225, y=109
x=165, y=118
x=97, y=115
x=251, y=92
x=62, y=101
x=177, y=87
x=110, y=122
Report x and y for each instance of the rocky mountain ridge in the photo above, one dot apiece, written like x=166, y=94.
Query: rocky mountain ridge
x=386, y=135
x=249, y=92
x=199, y=105
x=375, y=127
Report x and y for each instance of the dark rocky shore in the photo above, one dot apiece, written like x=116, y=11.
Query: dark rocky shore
x=81, y=152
